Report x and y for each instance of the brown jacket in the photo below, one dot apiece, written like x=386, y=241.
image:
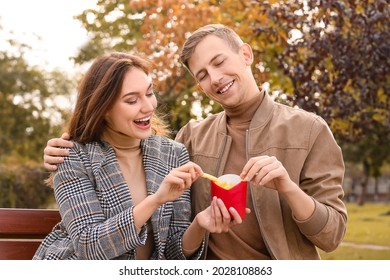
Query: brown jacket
x=306, y=147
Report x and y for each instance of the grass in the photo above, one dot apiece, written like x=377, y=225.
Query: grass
x=351, y=253
x=367, y=225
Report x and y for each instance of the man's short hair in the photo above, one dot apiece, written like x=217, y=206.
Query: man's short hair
x=221, y=31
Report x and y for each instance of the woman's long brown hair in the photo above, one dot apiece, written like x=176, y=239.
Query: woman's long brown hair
x=98, y=90
x=97, y=93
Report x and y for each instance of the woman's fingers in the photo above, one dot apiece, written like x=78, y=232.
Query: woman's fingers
x=236, y=218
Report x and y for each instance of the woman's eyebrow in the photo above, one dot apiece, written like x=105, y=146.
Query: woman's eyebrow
x=136, y=92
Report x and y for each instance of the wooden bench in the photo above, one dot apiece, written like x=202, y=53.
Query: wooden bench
x=22, y=230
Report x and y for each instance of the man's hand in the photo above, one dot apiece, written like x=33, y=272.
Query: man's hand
x=270, y=173
x=55, y=151
x=267, y=171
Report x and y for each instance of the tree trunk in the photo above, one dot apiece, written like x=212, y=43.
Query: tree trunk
x=366, y=170
x=376, y=189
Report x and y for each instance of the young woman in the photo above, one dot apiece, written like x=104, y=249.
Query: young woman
x=123, y=192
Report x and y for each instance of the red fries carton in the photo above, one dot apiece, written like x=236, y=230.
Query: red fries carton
x=232, y=192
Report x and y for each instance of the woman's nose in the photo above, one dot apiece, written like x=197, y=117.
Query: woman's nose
x=148, y=105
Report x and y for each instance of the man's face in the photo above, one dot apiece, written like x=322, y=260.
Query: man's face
x=222, y=73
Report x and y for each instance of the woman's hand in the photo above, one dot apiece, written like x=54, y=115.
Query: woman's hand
x=217, y=218
x=177, y=181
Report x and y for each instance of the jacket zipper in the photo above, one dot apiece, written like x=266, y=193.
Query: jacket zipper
x=253, y=200
x=218, y=167
x=223, y=149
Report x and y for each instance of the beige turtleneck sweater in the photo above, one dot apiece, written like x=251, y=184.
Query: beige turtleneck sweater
x=129, y=155
x=245, y=241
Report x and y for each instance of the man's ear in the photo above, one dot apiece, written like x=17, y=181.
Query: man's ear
x=246, y=52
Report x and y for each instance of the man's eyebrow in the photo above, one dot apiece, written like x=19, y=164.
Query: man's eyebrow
x=137, y=92
x=211, y=61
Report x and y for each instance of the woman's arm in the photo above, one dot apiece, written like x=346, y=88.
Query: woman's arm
x=94, y=236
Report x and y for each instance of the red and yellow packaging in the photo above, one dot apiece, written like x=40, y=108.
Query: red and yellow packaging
x=232, y=192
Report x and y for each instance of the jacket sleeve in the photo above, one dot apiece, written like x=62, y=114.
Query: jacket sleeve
x=92, y=234
x=181, y=136
x=321, y=178
x=180, y=221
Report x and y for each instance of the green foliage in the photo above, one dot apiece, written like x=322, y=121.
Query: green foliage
x=28, y=115
x=28, y=118
x=339, y=64
x=23, y=186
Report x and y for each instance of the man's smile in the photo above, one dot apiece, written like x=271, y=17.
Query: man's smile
x=226, y=87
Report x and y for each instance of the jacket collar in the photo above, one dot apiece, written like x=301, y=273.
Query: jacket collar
x=260, y=118
x=263, y=113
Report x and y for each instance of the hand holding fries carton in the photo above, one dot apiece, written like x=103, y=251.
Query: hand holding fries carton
x=232, y=191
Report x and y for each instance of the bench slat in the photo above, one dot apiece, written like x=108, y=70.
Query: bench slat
x=22, y=230
x=23, y=222
x=18, y=249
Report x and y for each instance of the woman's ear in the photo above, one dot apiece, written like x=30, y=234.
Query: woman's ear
x=246, y=52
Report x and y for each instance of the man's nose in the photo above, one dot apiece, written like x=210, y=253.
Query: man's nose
x=215, y=76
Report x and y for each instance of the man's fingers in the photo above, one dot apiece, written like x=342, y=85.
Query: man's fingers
x=65, y=136
x=58, y=142
x=50, y=167
x=55, y=152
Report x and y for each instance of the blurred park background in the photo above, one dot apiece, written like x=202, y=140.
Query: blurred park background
x=328, y=57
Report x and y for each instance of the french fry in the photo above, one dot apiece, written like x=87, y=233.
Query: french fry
x=220, y=183
x=211, y=178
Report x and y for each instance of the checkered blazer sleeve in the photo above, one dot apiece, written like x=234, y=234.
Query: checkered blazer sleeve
x=93, y=235
x=180, y=221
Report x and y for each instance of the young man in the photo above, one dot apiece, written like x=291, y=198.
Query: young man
x=289, y=157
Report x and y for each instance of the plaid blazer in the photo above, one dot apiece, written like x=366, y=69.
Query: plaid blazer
x=97, y=211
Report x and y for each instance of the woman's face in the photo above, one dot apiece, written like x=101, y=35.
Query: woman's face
x=132, y=112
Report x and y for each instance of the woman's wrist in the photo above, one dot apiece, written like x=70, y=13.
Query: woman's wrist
x=154, y=201
x=192, y=238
